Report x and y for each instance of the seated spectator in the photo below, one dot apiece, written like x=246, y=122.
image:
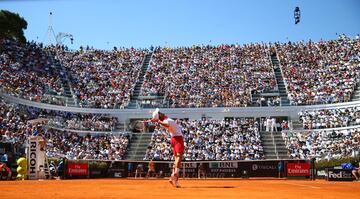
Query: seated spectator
x=27, y=71
x=320, y=73
x=103, y=79
x=330, y=118
x=224, y=75
x=211, y=140
x=76, y=147
x=331, y=144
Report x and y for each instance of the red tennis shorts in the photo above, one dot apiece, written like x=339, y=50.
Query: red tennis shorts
x=177, y=144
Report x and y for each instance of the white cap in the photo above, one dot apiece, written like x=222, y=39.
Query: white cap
x=155, y=114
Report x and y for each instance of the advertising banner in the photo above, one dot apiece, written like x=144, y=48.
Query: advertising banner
x=222, y=170
x=298, y=169
x=118, y=170
x=32, y=156
x=79, y=169
x=338, y=175
x=260, y=169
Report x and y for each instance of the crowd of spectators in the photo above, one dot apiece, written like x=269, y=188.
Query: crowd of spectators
x=209, y=76
x=13, y=124
x=93, y=122
x=103, y=79
x=324, y=144
x=320, y=73
x=268, y=101
x=60, y=119
x=330, y=118
x=211, y=140
x=27, y=71
x=198, y=76
x=15, y=128
x=80, y=147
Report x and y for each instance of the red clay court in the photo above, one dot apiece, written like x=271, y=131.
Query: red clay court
x=200, y=189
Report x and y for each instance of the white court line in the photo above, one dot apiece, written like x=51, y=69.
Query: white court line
x=302, y=185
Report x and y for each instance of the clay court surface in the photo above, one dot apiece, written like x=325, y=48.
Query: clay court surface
x=199, y=189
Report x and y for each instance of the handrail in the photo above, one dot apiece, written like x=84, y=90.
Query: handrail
x=185, y=112
x=328, y=129
x=276, y=152
x=272, y=68
x=86, y=131
x=282, y=74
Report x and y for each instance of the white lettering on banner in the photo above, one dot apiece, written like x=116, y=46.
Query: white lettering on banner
x=222, y=170
x=341, y=174
x=77, y=171
x=263, y=167
x=32, y=160
x=296, y=171
x=321, y=173
x=228, y=165
x=216, y=165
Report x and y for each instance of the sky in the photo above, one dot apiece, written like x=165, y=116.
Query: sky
x=104, y=24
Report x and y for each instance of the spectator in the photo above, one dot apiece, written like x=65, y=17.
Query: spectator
x=330, y=118
x=319, y=73
x=224, y=75
x=103, y=79
x=27, y=71
x=324, y=144
x=211, y=140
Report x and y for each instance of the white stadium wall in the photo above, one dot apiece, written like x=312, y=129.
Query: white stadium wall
x=192, y=113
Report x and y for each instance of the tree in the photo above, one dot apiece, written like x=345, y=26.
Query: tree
x=12, y=26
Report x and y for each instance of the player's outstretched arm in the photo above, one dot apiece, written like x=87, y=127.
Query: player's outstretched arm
x=158, y=121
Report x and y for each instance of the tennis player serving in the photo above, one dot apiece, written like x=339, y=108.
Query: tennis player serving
x=177, y=142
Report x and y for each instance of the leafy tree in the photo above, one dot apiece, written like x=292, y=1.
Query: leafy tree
x=12, y=26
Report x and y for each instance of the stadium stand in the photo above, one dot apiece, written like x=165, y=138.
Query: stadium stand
x=323, y=144
x=79, y=147
x=211, y=140
x=330, y=118
x=28, y=72
x=320, y=73
x=103, y=79
x=325, y=73
x=93, y=122
x=209, y=76
x=15, y=128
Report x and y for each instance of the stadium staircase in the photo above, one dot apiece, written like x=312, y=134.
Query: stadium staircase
x=356, y=94
x=68, y=94
x=138, y=145
x=280, y=81
x=273, y=144
x=135, y=95
x=121, y=126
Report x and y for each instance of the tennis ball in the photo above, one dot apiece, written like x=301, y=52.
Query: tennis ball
x=22, y=162
x=21, y=170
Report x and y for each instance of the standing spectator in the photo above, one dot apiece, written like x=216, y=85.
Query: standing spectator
x=202, y=171
x=268, y=124
x=273, y=125
x=151, y=169
x=280, y=168
x=139, y=170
